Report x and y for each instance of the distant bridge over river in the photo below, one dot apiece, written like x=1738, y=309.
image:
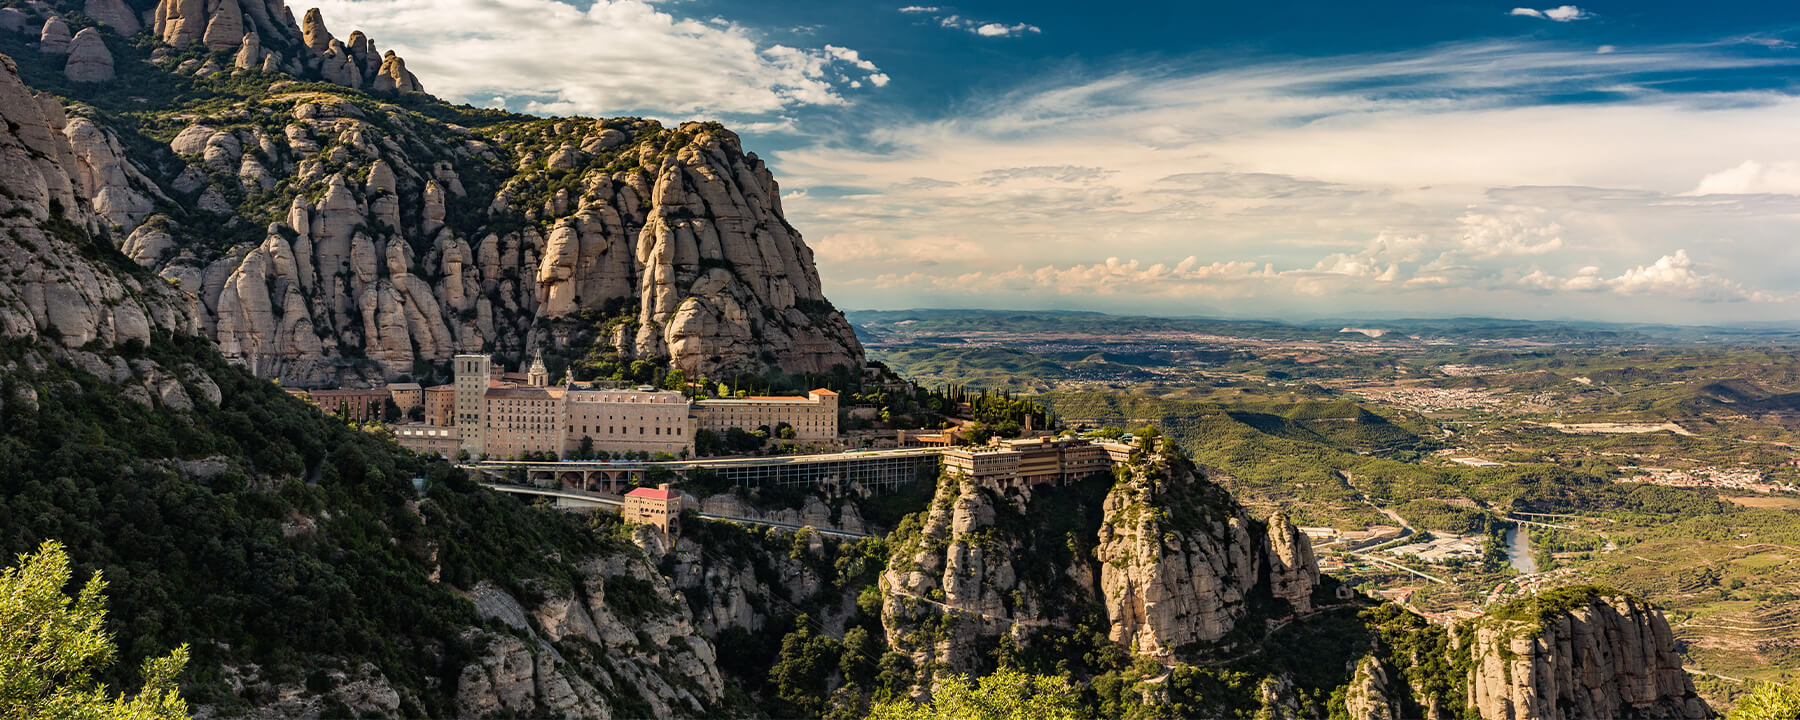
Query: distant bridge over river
x=875, y=469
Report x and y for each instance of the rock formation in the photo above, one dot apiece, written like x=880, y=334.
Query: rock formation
x=265, y=37
x=89, y=60
x=545, y=666
x=1181, y=562
x=66, y=287
x=1585, y=654
x=53, y=39
x=54, y=290
x=114, y=14
x=13, y=20
x=949, y=592
x=1367, y=698
x=376, y=259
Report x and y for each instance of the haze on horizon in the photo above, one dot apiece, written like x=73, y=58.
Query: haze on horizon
x=1618, y=160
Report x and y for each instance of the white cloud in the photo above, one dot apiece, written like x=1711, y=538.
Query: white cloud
x=979, y=27
x=1606, y=49
x=1491, y=236
x=998, y=30
x=615, y=56
x=1674, y=275
x=1562, y=13
x=1753, y=177
x=1772, y=43
x=1390, y=190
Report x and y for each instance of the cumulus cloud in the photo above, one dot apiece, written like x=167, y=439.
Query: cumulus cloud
x=1782, y=178
x=919, y=9
x=1673, y=275
x=614, y=56
x=1561, y=13
x=1516, y=233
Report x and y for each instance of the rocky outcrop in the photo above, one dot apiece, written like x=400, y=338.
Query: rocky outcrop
x=89, y=60
x=1578, y=653
x=1367, y=697
x=67, y=290
x=14, y=20
x=948, y=592
x=1182, y=563
x=546, y=664
x=59, y=287
x=53, y=38
x=1293, y=571
x=114, y=14
x=372, y=272
x=265, y=37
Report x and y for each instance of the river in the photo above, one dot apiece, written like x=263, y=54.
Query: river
x=1518, y=550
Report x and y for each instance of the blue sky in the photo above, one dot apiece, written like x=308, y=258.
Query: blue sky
x=1608, y=160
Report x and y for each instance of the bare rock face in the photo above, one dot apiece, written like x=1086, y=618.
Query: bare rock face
x=89, y=60
x=53, y=39
x=261, y=31
x=1585, y=655
x=114, y=14
x=547, y=667
x=1181, y=561
x=1367, y=698
x=12, y=20
x=950, y=574
x=673, y=240
x=54, y=292
x=393, y=77
x=62, y=289
x=723, y=274
x=1293, y=571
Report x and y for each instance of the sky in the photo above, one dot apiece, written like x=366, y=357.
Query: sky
x=1628, y=160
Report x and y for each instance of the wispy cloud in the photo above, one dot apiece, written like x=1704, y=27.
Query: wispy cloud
x=999, y=30
x=615, y=56
x=1561, y=13
x=984, y=28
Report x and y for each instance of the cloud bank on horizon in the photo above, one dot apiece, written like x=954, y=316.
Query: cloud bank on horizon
x=1571, y=161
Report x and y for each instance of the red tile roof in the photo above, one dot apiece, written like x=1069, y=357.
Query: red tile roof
x=654, y=494
x=823, y=391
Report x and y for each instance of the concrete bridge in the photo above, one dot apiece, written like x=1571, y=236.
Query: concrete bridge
x=579, y=498
x=878, y=469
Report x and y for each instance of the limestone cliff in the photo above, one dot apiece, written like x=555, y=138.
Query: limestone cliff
x=1367, y=695
x=65, y=284
x=617, y=644
x=362, y=230
x=1182, y=563
x=950, y=589
x=1578, y=653
x=1166, y=560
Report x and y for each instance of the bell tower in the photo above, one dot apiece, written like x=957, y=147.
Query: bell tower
x=538, y=376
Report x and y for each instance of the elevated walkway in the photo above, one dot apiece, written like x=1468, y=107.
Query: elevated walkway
x=579, y=497
x=878, y=469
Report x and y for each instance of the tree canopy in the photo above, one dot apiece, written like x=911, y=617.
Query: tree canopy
x=51, y=649
x=1007, y=694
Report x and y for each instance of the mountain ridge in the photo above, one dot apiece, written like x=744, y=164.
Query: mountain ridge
x=338, y=226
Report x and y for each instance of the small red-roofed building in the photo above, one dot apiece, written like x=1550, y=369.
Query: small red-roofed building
x=658, y=506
